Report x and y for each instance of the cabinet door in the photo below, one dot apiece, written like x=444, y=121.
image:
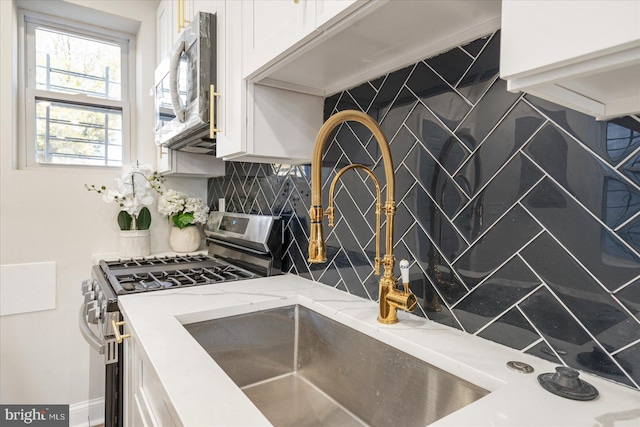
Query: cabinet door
x=330, y=11
x=165, y=26
x=172, y=17
x=163, y=162
x=565, y=52
x=206, y=6
x=272, y=27
x=187, y=11
x=230, y=111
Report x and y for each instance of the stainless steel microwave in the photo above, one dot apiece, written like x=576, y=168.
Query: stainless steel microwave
x=183, y=89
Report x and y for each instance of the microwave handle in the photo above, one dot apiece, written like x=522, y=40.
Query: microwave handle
x=173, y=82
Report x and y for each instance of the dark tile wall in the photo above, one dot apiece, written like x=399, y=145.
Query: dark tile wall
x=521, y=218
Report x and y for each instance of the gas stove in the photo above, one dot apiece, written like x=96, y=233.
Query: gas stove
x=158, y=273
x=240, y=247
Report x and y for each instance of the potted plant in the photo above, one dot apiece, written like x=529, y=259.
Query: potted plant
x=135, y=190
x=185, y=213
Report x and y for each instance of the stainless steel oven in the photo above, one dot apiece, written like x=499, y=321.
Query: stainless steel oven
x=184, y=89
x=240, y=247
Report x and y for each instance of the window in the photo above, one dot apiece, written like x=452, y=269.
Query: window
x=76, y=89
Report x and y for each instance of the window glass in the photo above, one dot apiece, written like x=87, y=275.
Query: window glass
x=72, y=64
x=76, y=97
x=76, y=134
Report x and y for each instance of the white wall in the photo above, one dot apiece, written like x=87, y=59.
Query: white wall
x=47, y=215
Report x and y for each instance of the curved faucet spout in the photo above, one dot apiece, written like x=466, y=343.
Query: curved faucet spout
x=390, y=297
x=379, y=208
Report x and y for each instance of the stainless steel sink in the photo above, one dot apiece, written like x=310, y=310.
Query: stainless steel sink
x=303, y=369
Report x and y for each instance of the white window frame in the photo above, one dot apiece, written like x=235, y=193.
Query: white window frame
x=28, y=21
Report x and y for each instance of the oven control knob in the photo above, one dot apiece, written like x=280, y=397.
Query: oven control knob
x=93, y=312
x=87, y=286
x=89, y=296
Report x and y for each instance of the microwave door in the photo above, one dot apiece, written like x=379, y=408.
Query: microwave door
x=178, y=81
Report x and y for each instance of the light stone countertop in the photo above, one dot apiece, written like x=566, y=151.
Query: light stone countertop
x=201, y=394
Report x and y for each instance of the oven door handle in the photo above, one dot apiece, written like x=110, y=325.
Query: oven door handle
x=87, y=333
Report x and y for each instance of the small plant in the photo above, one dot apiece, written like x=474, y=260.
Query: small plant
x=135, y=190
x=182, y=209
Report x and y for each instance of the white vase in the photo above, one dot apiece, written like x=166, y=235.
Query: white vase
x=135, y=243
x=185, y=239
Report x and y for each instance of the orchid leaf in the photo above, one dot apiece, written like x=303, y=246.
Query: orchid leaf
x=143, y=221
x=124, y=220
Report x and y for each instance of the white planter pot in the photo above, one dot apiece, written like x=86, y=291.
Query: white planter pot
x=135, y=243
x=187, y=239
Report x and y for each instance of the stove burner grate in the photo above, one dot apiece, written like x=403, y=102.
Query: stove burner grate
x=208, y=272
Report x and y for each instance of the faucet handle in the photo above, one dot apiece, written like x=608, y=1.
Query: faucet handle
x=404, y=271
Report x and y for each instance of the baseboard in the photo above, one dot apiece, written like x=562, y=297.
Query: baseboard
x=87, y=413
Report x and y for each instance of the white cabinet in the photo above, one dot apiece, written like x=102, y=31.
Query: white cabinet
x=172, y=17
x=145, y=400
x=272, y=28
x=181, y=163
x=582, y=54
x=258, y=123
x=357, y=41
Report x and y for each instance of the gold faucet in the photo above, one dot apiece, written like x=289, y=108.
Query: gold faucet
x=391, y=298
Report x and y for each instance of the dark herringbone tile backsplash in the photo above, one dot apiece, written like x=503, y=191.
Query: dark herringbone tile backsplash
x=521, y=218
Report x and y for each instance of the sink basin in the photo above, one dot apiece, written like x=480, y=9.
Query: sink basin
x=303, y=369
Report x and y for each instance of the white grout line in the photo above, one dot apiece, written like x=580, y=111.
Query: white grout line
x=475, y=149
x=453, y=88
x=516, y=253
x=533, y=344
x=504, y=165
x=628, y=157
x=627, y=284
x=575, y=199
x=484, y=233
x=449, y=178
x=625, y=309
x=541, y=336
x=567, y=251
x=445, y=217
x=437, y=291
x=489, y=38
x=587, y=148
x=575, y=318
x=357, y=242
x=511, y=307
x=436, y=247
x=621, y=349
x=627, y=221
x=490, y=274
x=510, y=209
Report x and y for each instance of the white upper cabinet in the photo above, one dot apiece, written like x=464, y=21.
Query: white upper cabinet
x=258, y=123
x=172, y=17
x=271, y=27
x=584, y=55
x=327, y=12
x=351, y=42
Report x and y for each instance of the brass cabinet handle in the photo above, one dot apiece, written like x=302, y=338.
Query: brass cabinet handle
x=184, y=21
x=180, y=15
x=116, y=331
x=212, y=112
